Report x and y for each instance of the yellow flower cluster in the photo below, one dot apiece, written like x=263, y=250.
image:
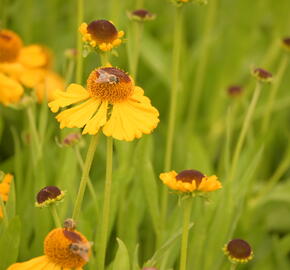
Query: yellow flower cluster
x=28, y=66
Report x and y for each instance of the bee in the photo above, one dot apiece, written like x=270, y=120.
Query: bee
x=105, y=77
x=81, y=249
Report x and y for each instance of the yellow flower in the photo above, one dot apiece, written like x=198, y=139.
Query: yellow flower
x=29, y=65
x=63, y=249
x=190, y=180
x=102, y=34
x=10, y=45
x=10, y=90
x=111, y=102
x=5, y=189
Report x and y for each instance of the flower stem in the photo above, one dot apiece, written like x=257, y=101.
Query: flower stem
x=79, y=66
x=233, y=266
x=273, y=92
x=81, y=163
x=106, y=205
x=55, y=215
x=244, y=129
x=34, y=132
x=177, y=37
x=85, y=176
x=201, y=67
x=137, y=34
x=184, y=241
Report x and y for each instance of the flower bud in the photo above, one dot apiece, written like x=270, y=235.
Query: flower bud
x=48, y=195
x=141, y=15
x=238, y=251
x=262, y=75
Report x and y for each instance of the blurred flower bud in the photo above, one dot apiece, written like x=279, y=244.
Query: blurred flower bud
x=141, y=15
x=262, y=75
x=286, y=43
x=238, y=251
x=235, y=91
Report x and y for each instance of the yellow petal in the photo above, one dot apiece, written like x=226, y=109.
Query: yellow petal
x=45, y=88
x=10, y=90
x=75, y=93
x=37, y=263
x=132, y=118
x=99, y=119
x=210, y=183
x=79, y=115
x=31, y=77
x=35, y=56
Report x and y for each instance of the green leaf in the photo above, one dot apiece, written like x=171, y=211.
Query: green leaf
x=9, y=243
x=121, y=260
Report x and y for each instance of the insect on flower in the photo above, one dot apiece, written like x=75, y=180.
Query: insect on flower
x=81, y=249
x=106, y=77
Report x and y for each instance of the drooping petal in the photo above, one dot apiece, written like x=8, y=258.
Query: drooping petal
x=10, y=90
x=74, y=94
x=45, y=88
x=31, y=77
x=97, y=121
x=210, y=183
x=132, y=118
x=79, y=115
x=34, y=56
x=38, y=263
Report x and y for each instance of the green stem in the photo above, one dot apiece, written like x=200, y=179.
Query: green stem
x=273, y=92
x=244, y=130
x=55, y=216
x=137, y=34
x=85, y=176
x=233, y=266
x=69, y=71
x=201, y=67
x=106, y=205
x=104, y=58
x=177, y=37
x=34, y=133
x=184, y=241
x=79, y=66
x=81, y=163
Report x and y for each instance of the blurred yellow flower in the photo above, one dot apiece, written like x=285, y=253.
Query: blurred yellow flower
x=10, y=90
x=102, y=34
x=30, y=65
x=5, y=189
x=190, y=180
x=111, y=101
x=63, y=248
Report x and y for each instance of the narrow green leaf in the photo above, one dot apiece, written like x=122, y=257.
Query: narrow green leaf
x=121, y=260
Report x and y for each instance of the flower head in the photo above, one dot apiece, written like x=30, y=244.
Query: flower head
x=190, y=180
x=141, y=15
x=10, y=46
x=286, y=43
x=5, y=189
x=102, y=34
x=111, y=102
x=262, y=75
x=63, y=249
x=235, y=90
x=238, y=251
x=180, y=2
x=48, y=195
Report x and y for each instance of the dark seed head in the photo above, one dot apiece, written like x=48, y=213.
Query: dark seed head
x=49, y=192
x=239, y=249
x=262, y=75
x=235, y=90
x=188, y=176
x=73, y=236
x=141, y=15
x=102, y=31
